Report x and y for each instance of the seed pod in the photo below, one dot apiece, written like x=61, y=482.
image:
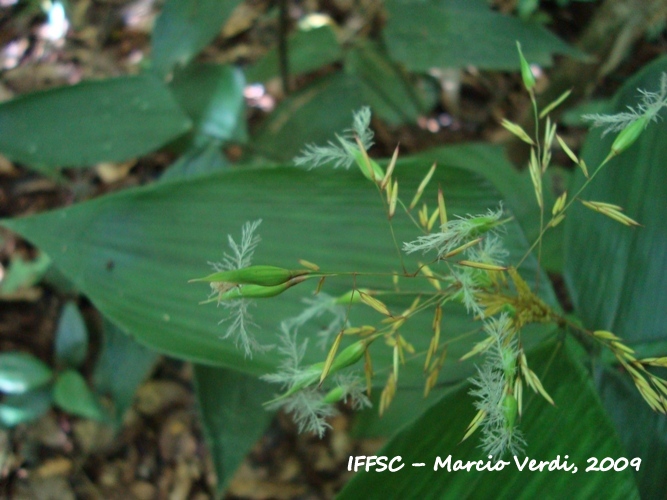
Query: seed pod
x=526, y=73
x=334, y=395
x=509, y=362
x=484, y=223
x=258, y=291
x=629, y=135
x=350, y=355
x=307, y=377
x=347, y=357
x=351, y=297
x=312, y=374
x=367, y=165
x=510, y=410
x=254, y=275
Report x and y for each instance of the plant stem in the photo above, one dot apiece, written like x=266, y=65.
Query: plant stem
x=567, y=205
x=539, y=156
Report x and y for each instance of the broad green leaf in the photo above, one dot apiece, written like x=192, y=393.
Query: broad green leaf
x=386, y=88
x=121, y=367
x=307, y=50
x=574, y=430
x=555, y=181
x=55, y=279
x=297, y=120
x=212, y=96
x=458, y=33
x=200, y=160
x=616, y=275
x=573, y=117
x=105, y=120
x=71, y=337
x=24, y=274
x=16, y=409
x=72, y=394
x=21, y=372
x=643, y=432
x=184, y=27
x=408, y=405
x=159, y=237
x=230, y=405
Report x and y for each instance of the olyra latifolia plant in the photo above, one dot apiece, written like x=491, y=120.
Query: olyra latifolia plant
x=466, y=262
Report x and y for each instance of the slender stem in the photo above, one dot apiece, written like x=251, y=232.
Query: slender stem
x=414, y=221
x=398, y=250
x=385, y=205
x=567, y=205
x=588, y=181
x=537, y=124
x=539, y=157
x=539, y=249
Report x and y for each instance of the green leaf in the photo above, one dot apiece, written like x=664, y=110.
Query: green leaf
x=94, y=121
x=71, y=393
x=370, y=79
x=573, y=116
x=307, y=50
x=407, y=406
x=386, y=88
x=643, y=432
x=199, y=160
x=212, y=96
x=16, y=409
x=71, y=337
x=122, y=366
x=161, y=236
x=575, y=429
x=230, y=405
x=297, y=120
x=616, y=275
x=21, y=372
x=619, y=286
x=24, y=274
x=457, y=33
x=184, y=27
x=54, y=278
